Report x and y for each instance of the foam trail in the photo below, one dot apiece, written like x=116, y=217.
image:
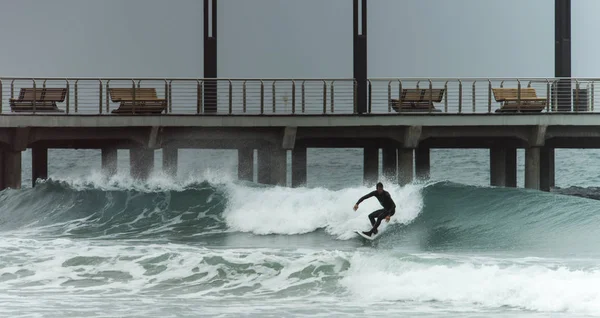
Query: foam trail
x=526, y=285
x=282, y=210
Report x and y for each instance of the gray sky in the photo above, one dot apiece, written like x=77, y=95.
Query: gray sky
x=291, y=38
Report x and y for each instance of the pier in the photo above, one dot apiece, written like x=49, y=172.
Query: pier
x=405, y=119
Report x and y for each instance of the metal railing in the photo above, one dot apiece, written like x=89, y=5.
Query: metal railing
x=285, y=96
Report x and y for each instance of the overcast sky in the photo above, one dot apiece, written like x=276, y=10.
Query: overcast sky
x=291, y=38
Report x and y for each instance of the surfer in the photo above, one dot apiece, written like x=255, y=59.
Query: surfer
x=389, y=208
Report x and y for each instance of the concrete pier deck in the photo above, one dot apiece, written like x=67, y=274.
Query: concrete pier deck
x=279, y=115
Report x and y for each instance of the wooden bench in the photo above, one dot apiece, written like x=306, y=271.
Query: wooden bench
x=418, y=100
x=146, y=101
x=529, y=101
x=45, y=100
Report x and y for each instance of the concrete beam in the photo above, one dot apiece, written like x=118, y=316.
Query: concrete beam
x=289, y=138
x=39, y=164
x=279, y=121
x=412, y=135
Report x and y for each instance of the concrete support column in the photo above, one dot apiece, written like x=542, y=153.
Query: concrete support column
x=405, y=165
x=498, y=167
x=390, y=163
x=511, y=167
x=39, y=164
x=370, y=165
x=299, y=166
x=422, y=163
x=109, y=161
x=532, y=168
x=279, y=167
x=246, y=164
x=11, y=169
x=142, y=162
x=170, y=160
x=546, y=168
x=264, y=166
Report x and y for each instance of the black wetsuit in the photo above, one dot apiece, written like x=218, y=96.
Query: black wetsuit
x=389, y=208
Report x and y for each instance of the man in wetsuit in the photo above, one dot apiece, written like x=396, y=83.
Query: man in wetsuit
x=389, y=208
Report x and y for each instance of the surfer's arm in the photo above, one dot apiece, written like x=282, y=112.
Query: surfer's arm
x=365, y=197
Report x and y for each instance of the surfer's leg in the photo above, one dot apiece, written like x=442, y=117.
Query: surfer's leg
x=380, y=218
x=373, y=215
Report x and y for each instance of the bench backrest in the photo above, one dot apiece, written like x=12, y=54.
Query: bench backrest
x=422, y=94
x=43, y=94
x=142, y=93
x=501, y=94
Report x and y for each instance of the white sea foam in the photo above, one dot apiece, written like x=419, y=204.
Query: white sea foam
x=282, y=210
x=525, y=285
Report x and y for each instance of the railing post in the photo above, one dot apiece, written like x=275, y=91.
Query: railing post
x=293, y=97
x=370, y=100
x=389, y=96
x=0, y=95
x=100, y=95
x=518, y=95
x=332, y=92
x=107, y=95
x=170, y=96
x=34, y=95
x=262, y=97
x=548, y=101
x=230, y=97
x=474, y=96
x=200, y=93
x=592, y=97
x=430, y=95
x=460, y=88
x=244, y=97
x=303, y=97
x=446, y=97
x=399, y=96
x=576, y=95
x=274, y=97
x=489, y=96
x=68, y=96
x=77, y=95
x=12, y=89
x=167, y=96
x=324, y=97
x=134, y=96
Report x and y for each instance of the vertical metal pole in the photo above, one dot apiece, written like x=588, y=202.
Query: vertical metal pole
x=360, y=54
x=210, y=55
x=562, y=53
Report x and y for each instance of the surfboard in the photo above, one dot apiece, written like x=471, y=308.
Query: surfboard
x=370, y=238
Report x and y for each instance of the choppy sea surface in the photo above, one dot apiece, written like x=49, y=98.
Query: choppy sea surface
x=206, y=244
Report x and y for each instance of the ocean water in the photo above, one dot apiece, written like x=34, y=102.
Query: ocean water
x=205, y=244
